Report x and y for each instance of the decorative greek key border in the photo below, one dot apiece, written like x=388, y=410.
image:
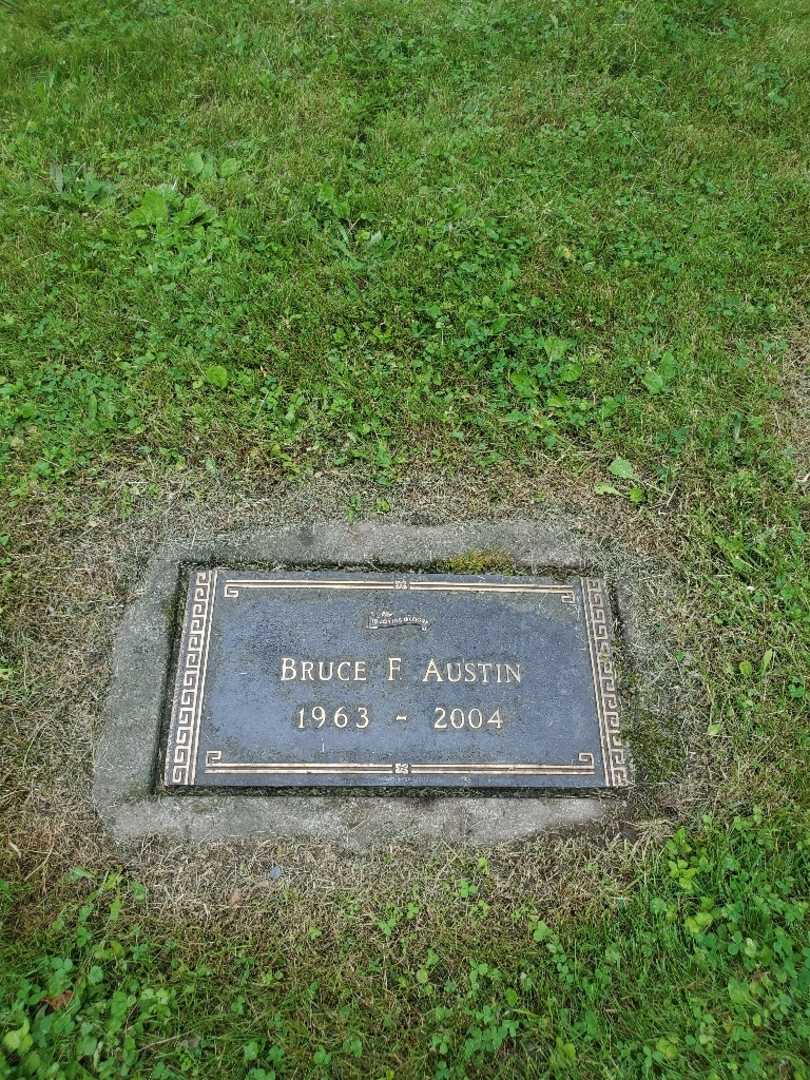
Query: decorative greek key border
x=615, y=756
x=184, y=736
x=214, y=765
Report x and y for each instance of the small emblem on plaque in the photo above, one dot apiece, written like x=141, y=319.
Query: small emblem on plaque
x=384, y=619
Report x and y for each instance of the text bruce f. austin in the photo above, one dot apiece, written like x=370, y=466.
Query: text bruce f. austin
x=432, y=670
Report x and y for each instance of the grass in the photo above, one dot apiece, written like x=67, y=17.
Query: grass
x=701, y=970
x=270, y=244
x=329, y=233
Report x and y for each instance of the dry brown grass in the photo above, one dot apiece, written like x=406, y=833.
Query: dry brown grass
x=72, y=580
x=791, y=416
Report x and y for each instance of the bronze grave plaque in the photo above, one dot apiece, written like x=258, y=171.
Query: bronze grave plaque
x=329, y=679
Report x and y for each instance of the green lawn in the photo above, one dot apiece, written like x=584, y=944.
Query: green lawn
x=314, y=238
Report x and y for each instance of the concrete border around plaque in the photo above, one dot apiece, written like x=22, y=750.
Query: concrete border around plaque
x=142, y=713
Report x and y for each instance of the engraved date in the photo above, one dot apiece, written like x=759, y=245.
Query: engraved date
x=316, y=717
x=445, y=719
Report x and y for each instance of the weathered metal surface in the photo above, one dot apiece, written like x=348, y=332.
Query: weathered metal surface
x=325, y=679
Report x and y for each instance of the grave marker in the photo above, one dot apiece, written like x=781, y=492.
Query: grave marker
x=329, y=679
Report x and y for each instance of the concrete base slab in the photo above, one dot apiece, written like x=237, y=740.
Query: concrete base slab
x=126, y=789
